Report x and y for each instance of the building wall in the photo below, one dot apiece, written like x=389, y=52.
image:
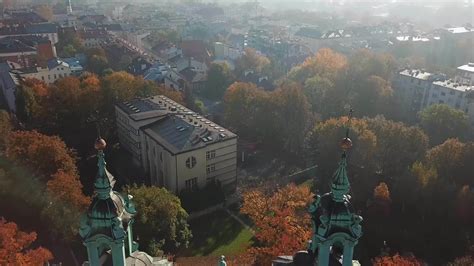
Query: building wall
x=49, y=75
x=130, y=137
x=443, y=95
x=172, y=172
x=464, y=77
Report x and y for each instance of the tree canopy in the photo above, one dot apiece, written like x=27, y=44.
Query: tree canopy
x=441, y=122
x=282, y=224
x=161, y=222
x=15, y=247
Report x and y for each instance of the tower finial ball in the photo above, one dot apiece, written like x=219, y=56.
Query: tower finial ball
x=346, y=144
x=100, y=144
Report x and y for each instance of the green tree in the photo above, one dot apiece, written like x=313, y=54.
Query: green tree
x=219, y=77
x=441, y=122
x=161, y=219
x=321, y=94
x=292, y=117
x=26, y=103
x=398, y=145
x=98, y=64
x=243, y=103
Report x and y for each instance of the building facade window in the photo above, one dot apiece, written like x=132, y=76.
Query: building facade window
x=191, y=183
x=210, y=154
x=191, y=162
x=210, y=168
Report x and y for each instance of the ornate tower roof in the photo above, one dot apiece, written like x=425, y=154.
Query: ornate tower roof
x=107, y=215
x=334, y=222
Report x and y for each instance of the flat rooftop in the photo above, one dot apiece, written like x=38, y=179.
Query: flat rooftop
x=415, y=73
x=450, y=84
x=468, y=67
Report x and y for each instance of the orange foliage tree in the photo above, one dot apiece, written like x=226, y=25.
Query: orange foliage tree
x=14, y=247
x=281, y=221
x=49, y=158
x=397, y=260
x=45, y=155
x=381, y=192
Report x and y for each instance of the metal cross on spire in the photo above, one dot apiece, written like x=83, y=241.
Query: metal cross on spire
x=346, y=143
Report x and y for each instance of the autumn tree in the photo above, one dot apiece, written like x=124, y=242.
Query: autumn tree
x=161, y=222
x=43, y=154
x=381, y=192
x=324, y=141
x=441, y=122
x=15, y=247
x=5, y=128
x=281, y=221
x=451, y=160
x=251, y=60
x=397, y=260
x=324, y=64
x=50, y=159
x=44, y=11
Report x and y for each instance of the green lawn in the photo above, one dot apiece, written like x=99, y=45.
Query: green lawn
x=217, y=234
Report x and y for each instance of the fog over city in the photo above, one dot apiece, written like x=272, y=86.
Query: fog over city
x=236, y=133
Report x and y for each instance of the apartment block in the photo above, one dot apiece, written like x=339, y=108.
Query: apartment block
x=177, y=148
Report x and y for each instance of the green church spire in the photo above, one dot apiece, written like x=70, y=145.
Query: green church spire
x=336, y=229
x=106, y=228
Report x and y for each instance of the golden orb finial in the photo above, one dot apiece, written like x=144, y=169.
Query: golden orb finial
x=346, y=144
x=100, y=144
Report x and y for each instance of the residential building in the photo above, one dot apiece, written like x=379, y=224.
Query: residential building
x=418, y=89
x=48, y=30
x=465, y=74
x=26, y=51
x=450, y=93
x=177, y=148
x=56, y=69
x=411, y=86
x=225, y=51
x=8, y=85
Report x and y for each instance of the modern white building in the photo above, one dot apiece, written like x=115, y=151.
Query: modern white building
x=411, y=86
x=177, y=148
x=418, y=89
x=465, y=74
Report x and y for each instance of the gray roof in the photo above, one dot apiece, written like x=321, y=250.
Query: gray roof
x=42, y=28
x=177, y=134
x=177, y=129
